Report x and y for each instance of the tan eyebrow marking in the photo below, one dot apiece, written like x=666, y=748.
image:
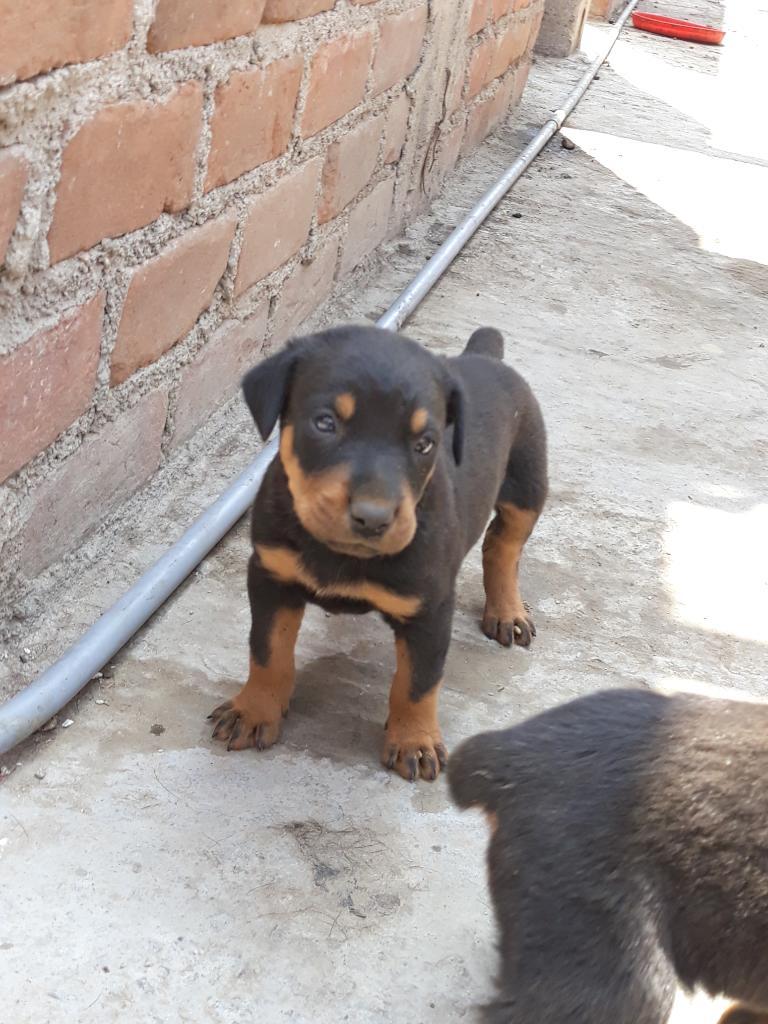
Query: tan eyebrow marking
x=419, y=419
x=345, y=405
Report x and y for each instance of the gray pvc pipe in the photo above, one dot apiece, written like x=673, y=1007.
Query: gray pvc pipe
x=32, y=707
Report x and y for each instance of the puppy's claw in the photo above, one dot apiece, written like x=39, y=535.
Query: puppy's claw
x=518, y=631
x=422, y=758
x=240, y=728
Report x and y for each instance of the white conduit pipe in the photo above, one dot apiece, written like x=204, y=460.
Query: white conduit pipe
x=27, y=711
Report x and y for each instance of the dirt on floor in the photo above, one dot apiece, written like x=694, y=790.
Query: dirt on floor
x=151, y=876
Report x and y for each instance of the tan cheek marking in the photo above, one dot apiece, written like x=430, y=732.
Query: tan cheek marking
x=286, y=566
x=319, y=500
x=345, y=405
x=297, y=481
x=419, y=419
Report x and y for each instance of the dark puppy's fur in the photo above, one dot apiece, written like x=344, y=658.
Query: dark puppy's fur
x=391, y=462
x=629, y=851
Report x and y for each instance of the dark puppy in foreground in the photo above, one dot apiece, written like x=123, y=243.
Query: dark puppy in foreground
x=391, y=462
x=629, y=853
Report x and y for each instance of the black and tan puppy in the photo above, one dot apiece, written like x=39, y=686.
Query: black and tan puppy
x=629, y=853
x=391, y=462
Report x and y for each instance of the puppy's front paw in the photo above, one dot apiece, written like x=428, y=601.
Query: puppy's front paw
x=519, y=630
x=413, y=753
x=242, y=725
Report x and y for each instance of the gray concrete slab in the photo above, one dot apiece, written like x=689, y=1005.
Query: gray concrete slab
x=148, y=875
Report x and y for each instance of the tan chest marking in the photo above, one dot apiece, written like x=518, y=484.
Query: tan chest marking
x=286, y=566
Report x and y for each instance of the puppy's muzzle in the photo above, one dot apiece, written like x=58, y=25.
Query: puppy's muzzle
x=371, y=518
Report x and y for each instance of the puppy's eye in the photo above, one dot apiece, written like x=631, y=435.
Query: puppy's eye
x=424, y=445
x=325, y=423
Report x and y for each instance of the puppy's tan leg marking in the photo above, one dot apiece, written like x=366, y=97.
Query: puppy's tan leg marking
x=253, y=718
x=506, y=619
x=413, y=743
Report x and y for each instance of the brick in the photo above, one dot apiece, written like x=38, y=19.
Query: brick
x=349, y=164
x=397, y=128
x=480, y=66
x=519, y=5
x=124, y=167
x=361, y=3
x=181, y=23
x=336, y=81
x=279, y=11
x=253, y=119
x=510, y=47
x=277, y=225
x=168, y=294
x=13, y=179
x=368, y=225
x=499, y=8
x=484, y=116
x=214, y=375
x=399, y=48
x=478, y=16
x=309, y=285
x=39, y=35
x=47, y=383
x=106, y=469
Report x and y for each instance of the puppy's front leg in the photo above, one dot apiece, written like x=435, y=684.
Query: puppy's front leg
x=413, y=743
x=254, y=717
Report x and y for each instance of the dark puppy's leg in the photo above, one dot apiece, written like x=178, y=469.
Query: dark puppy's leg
x=578, y=941
x=553, y=991
x=254, y=717
x=413, y=743
x=743, y=1015
x=519, y=504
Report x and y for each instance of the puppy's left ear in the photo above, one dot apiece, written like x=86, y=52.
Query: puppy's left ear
x=267, y=386
x=454, y=413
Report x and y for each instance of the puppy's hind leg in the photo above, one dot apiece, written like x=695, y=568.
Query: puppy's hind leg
x=585, y=978
x=518, y=506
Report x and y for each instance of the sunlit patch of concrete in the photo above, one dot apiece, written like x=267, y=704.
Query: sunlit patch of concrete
x=717, y=569
x=722, y=200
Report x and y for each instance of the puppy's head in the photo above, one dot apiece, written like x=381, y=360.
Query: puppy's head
x=363, y=414
x=477, y=773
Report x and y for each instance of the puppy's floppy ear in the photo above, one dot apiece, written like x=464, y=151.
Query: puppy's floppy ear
x=454, y=413
x=473, y=779
x=266, y=387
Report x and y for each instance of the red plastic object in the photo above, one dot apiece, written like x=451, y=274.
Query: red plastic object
x=676, y=29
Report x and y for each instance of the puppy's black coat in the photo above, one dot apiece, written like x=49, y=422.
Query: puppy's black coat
x=629, y=851
x=391, y=462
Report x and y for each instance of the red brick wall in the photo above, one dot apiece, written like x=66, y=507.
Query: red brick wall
x=181, y=183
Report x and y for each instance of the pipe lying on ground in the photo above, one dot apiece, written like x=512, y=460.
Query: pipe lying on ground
x=32, y=707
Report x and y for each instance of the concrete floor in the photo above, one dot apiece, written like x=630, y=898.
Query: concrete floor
x=148, y=875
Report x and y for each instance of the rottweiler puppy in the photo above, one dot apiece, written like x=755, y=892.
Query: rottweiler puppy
x=391, y=462
x=629, y=853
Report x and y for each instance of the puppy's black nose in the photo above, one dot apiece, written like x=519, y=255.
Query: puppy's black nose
x=371, y=518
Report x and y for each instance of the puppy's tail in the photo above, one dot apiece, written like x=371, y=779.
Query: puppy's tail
x=486, y=341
